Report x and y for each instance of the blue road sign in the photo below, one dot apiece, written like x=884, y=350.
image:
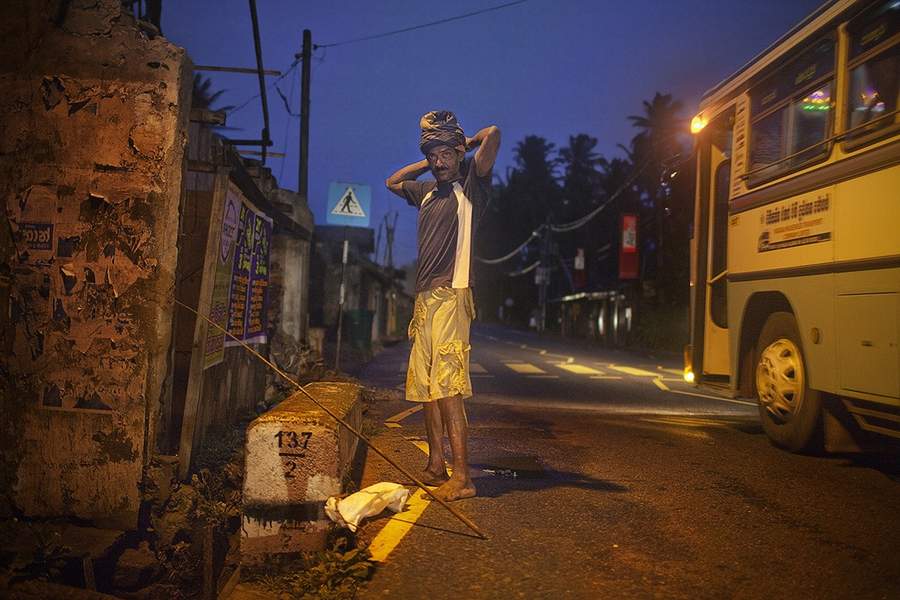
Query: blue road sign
x=349, y=204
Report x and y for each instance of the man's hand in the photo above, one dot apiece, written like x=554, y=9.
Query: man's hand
x=488, y=143
x=407, y=173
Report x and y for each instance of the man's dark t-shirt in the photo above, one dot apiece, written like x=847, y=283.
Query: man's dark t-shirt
x=448, y=218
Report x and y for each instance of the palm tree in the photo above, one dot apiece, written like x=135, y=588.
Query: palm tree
x=661, y=125
x=580, y=176
x=203, y=97
x=655, y=146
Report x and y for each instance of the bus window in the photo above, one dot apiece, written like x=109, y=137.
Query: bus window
x=790, y=111
x=874, y=72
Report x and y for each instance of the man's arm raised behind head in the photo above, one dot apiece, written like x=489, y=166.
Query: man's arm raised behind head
x=407, y=173
x=488, y=142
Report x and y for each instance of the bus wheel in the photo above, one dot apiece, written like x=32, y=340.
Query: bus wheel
x=789, y=410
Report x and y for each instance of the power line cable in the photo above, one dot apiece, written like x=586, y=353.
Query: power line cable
x=496, y=261
x=243, y=104
x=526, y=270
x=422, y=26
x=582, y=221
x=287, y=127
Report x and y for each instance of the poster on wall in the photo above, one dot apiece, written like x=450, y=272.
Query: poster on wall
x=218, y=310
x=258, y=289
x=248, y=294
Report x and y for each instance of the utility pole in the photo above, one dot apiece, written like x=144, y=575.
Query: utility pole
x=340, y=323
x=544, y=274
x=389, y=237
x=306, y=59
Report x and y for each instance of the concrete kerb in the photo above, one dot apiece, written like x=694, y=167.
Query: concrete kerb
x=296, y=457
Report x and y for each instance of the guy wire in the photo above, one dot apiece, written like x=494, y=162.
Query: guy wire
x=464, y=519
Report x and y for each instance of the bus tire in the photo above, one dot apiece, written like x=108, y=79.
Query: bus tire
x=790, y=411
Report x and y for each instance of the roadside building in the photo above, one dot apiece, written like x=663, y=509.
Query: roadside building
x=376, y=306
x=121, y=201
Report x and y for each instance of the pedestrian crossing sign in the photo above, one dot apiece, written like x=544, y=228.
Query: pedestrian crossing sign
x=349, y=204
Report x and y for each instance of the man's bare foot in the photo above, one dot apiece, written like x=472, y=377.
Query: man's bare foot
x=456, y=488
x=432, y=476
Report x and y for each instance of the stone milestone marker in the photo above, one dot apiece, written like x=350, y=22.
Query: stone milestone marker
x=296, y=457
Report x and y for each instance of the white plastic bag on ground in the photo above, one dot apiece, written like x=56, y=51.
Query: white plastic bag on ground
x=367, y=502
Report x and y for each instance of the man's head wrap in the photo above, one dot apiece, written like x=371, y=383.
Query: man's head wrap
x=440, y=127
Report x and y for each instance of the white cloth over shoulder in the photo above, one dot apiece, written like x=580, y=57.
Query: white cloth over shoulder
x=367, y=502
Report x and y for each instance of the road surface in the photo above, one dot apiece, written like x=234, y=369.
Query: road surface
x=601, y=474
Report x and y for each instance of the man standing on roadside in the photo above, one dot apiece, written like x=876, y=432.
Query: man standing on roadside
x=449, y=210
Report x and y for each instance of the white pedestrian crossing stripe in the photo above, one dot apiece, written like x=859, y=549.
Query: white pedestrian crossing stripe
x=578, y=369
x=524, y=368
x=634, y=371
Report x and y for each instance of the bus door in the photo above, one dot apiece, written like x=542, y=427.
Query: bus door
x=710, y=316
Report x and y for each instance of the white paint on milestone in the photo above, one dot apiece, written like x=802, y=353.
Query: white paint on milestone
x=264, y=480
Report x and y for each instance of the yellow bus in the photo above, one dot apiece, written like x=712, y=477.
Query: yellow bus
x=795, y=278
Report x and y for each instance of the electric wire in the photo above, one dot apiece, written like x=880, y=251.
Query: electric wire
x=582, y=221
x=422, y=26
x=287, y=128
x=526, y=270
x=496, y=261
x=284, y=74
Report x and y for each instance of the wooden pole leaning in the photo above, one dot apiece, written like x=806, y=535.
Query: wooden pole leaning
x=461, y=517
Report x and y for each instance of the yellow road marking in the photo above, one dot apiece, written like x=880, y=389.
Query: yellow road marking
x=399, y=525
x=714, y=397
x=476, y=368
x=579, y=369
x=678, y=372
x=606, y=377
x=633, y=371
x=685, y=421
x=661, y=385
x=392, y=425
x=402, y=415
x=525, y=368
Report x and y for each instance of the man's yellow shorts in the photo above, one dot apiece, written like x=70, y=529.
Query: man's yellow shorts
x=439, y=330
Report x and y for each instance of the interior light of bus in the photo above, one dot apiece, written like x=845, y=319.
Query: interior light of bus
x=818, y=100
x=698, y=123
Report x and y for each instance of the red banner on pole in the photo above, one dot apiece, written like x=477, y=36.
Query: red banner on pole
x=628, y=251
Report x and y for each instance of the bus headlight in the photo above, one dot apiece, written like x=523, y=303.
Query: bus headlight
x=698, y=123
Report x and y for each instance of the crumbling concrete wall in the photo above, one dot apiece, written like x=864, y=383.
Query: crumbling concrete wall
x=93, y=114
x=290, y=269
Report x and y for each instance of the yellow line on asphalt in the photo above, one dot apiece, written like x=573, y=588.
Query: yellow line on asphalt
x=606, y=377
x=402, y=415
x=524, y=368
x=399, y=525
x=714, y=397
x=678, y=372
x=578, y=369
x=393, y=425
x=659, y=383
x=634, y=371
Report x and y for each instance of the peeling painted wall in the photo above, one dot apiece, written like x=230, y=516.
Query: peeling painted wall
x=93, y=114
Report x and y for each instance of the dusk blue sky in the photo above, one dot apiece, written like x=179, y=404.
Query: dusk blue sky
x=544, y=67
